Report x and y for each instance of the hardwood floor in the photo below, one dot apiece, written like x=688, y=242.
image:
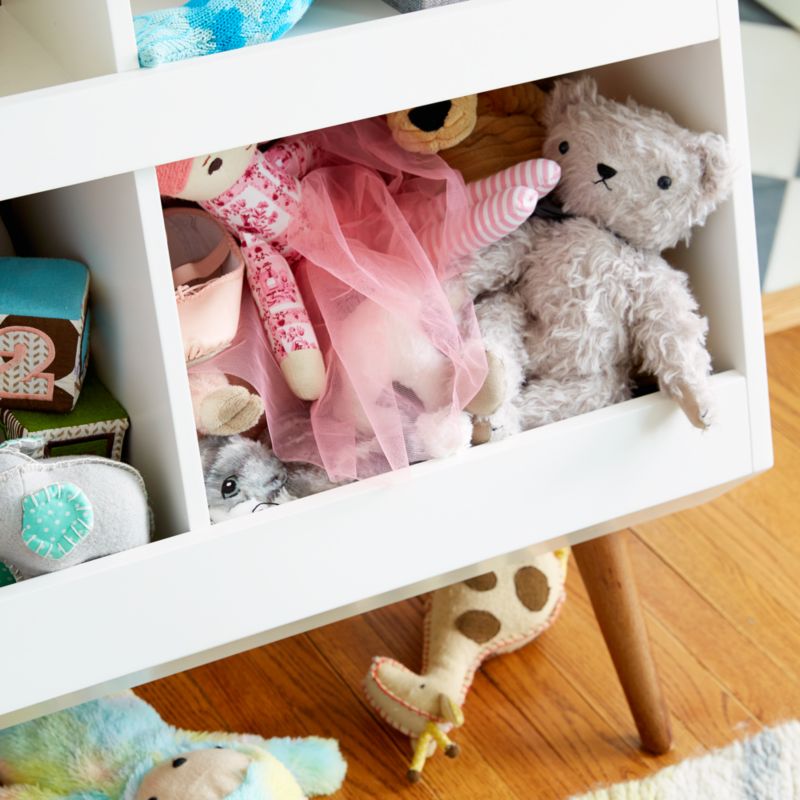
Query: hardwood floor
x=719, y=588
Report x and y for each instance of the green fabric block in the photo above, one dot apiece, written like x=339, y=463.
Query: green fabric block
x=7, y=577
x=96, y=426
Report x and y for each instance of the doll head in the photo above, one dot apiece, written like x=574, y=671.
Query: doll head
x=632, y=169
x=204, y=177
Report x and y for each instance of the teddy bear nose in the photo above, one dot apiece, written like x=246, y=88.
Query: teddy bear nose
x=431, y=117
x=605, y=171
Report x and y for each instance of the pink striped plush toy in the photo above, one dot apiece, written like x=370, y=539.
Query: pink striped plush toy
x=372, y=238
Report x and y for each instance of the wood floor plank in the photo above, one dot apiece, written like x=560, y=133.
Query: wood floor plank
x=705, y=713
x=740, y=664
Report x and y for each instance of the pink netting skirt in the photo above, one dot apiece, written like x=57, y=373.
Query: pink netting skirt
x=401, y=343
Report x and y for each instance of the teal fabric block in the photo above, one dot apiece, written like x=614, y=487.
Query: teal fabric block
x=51, y=288
x=44, y=332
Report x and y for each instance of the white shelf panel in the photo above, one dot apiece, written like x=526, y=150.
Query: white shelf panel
x=341, y=70
x=204, y=595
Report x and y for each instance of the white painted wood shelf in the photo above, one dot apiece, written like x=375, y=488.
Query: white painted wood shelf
x=81, y=128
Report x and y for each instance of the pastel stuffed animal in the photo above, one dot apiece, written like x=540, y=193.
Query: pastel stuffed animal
x=465, y=624
x=119, y=748
x=58, y=512
x=570, y=308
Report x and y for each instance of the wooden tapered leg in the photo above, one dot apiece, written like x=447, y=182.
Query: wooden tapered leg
x=606, y=570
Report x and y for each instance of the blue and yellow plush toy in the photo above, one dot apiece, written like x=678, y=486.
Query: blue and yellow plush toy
x=119, y=748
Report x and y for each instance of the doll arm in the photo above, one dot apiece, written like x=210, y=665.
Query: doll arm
x=289, y=330
x=295, y=156
x=669, y=338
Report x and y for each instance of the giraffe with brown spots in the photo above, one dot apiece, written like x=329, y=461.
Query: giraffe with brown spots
x=466, y=623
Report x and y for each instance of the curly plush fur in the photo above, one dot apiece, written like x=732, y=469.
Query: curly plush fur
x=570, y=309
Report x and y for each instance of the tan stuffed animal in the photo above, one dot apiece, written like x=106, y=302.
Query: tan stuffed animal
x=478, y=134
x=465, y=624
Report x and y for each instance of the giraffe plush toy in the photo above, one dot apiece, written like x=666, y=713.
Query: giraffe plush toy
x=465, y=624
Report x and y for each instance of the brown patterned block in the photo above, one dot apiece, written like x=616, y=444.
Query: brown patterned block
x=43, y=332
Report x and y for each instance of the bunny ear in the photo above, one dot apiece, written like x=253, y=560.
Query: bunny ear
x=568, y=92
x=717, y=173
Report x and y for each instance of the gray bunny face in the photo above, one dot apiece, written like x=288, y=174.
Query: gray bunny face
x=241, y=477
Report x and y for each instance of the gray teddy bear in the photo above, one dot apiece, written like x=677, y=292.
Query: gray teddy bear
x=570, y=308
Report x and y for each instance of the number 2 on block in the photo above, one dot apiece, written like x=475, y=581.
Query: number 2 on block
x=29, y=353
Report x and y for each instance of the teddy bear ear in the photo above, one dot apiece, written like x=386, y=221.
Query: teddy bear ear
x=568, y=92
x=717, y=172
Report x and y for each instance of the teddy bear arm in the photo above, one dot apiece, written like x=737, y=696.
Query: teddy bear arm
x=669, y=337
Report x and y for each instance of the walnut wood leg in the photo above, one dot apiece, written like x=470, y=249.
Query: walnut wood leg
x=606, y=570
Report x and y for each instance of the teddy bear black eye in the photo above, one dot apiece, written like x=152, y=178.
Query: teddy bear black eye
x=230, y=487
x=178, y=762
x=563, y=148
x=664, y=182
x=214, y=165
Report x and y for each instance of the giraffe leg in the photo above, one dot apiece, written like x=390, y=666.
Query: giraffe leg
x=606, y=570
x=414, y=773
x=450, y=748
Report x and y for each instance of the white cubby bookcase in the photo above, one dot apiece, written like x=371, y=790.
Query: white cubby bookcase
x=81, y=128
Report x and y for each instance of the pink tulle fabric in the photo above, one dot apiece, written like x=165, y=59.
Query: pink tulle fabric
x=398, y=333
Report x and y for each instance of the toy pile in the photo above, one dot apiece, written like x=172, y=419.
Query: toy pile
x=64, y=496
x=409, y=296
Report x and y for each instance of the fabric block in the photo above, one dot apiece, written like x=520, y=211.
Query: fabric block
x=44, y=330
x=95, y=427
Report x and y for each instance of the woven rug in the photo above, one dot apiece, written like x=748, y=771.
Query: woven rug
x=766, y=767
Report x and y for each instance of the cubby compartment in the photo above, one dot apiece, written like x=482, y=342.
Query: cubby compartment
x=45, y=44
x=262, y=577
x=104, y=224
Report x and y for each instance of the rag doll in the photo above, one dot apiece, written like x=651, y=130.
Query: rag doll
x=202, y=27
x=571, y=307
x=119, y=748
x=374, y=233
x=465, y=624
